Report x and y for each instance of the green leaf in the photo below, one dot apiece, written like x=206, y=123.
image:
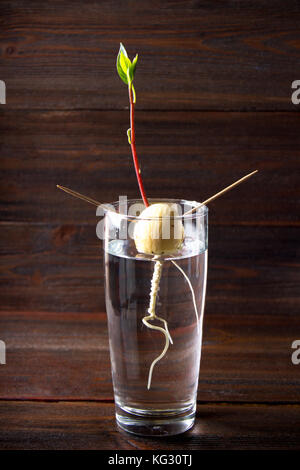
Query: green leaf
x=123, y=50
x=133, y=65
x=123, y=63
x=131, y=69
x=126, y=68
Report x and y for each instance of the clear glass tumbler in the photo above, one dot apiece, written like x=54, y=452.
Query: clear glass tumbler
x=168, y=406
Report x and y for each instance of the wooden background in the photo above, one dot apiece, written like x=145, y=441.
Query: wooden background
x=213, y=103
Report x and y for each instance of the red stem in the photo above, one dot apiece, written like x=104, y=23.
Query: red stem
x=133, y=150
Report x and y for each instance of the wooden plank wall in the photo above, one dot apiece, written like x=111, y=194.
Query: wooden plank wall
x=213, y=103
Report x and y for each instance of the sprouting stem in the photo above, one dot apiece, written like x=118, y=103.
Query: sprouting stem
x=126, y=70
x=152, y=316
x=133, y=147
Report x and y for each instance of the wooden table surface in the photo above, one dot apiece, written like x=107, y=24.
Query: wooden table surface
x=214, y=102
x=56, y=388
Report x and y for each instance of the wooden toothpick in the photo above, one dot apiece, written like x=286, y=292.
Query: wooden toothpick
x=87, y=199
x=210, y=199
x=215, y=196
x=78, y=195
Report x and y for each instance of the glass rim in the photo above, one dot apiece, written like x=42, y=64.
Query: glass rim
x=201, y=212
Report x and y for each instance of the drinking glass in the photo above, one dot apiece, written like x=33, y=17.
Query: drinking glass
x=168, y=406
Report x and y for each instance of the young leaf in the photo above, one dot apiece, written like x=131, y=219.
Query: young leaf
x=122, y=75
x=126, y=68
x=122, y=49
x=123, y=63
x=133, y=65
x=131, y=69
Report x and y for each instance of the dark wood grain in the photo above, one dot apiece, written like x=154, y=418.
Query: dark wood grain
x=246, y=358
x=193, y=55
x=92, y=426
x=183, y=155
x=214, y=102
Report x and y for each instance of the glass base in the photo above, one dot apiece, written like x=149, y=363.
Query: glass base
x=166, y=423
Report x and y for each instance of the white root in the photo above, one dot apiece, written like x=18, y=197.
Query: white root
x=152, y=316
x=158, y=328
x=192, y=292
